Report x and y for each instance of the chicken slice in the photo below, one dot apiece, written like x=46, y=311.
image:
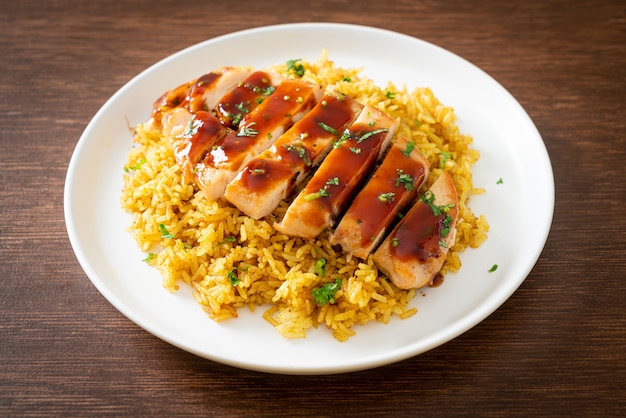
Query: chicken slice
x=200, y=94
x=257, y=131
x=192, y=137
x=272, y=175
x=393, y=185
x=329, y=191
x=205, y=93
x=416, y=249
x=167, y=102
x=246, y=96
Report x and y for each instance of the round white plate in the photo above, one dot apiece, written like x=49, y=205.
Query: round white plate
x=519, y=209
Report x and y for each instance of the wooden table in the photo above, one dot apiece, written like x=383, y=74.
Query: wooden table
x=556, y=347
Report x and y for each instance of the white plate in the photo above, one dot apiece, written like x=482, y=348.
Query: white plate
x=519, y=210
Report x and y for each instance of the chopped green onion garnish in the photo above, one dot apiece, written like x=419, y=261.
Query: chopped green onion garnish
x=164, y=232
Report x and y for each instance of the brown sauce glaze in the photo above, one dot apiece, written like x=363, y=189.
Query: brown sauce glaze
x=417, y=237
x=258, y=126
x=204, y=131
x=189, y=95
x=195, y=97
x=336, y=180
x=261, y=173
x=244, y=98
x=170, y=100
x=229, y=151
x=375, y=208
x=329, y=117
x=277, y=109
x=437, y=280
x=294, y=152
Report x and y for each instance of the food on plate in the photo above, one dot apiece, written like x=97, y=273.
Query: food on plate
x=394, y=184
x=415, y=250
x=326, y=195
x=200, y=94
x=246, y=96
x=294, y=188
x=227, y=153
x=271, y=176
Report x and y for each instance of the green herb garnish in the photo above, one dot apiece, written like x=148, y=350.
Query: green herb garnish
x=333, y=181
x=316, y=195
x=242, y=107
x=327, y=128
x=226, y=240
x=409, y=147
x=500, y=181
x=385, y=197
x=326, y=293
x=192, y=128
x=248, y=130
x=445, y=157
x=493, y=268
x=344, y=137
x=268, y=90
x=320, y=267
x=294, y=67
x=404, y=179
x=236, y=118
x=137, y=166
x=149, y=257
x=164, y=232
x=370, y=134
x=232, y=276
x=429, y=198
x=301, y=151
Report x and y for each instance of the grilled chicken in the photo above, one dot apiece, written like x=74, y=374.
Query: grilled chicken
x=269, y=134
x=272, y=175
x=415, y=250
x=257, y=131
x=200, y=94
x=393, y=185
x=246, y=96
x=192, y=136
x=328, y=192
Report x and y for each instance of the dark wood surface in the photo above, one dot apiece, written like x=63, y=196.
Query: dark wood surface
x=557, y=347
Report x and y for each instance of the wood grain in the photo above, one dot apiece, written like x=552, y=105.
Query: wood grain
x=557, y=347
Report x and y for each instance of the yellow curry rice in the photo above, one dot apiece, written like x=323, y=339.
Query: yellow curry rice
x=231, y=260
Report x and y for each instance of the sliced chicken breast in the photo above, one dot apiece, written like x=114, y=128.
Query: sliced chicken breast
x=205, y=93
x=246, y=96
x=170, y=100
x=192, y=137
x=376, y=206
x=200, y=94
x=272, y=175
x=328, y=192
x=416, y=249
x=258, y=130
